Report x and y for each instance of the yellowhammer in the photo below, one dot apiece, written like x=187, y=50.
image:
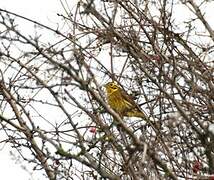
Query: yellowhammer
x=121, y=102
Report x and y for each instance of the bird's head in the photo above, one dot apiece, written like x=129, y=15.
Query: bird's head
x=111, y=87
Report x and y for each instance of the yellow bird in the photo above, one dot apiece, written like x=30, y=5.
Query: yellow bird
x=121, y=102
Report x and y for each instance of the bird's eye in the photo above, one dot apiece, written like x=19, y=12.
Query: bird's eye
x=113, y=86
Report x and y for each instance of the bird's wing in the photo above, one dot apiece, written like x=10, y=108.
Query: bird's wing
x=131, y=103
x=128, y=99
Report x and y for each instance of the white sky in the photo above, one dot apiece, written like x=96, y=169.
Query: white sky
x=38, y=10
x=44, y=11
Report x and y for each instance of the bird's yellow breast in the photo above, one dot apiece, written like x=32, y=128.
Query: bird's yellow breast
x=116, y=102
